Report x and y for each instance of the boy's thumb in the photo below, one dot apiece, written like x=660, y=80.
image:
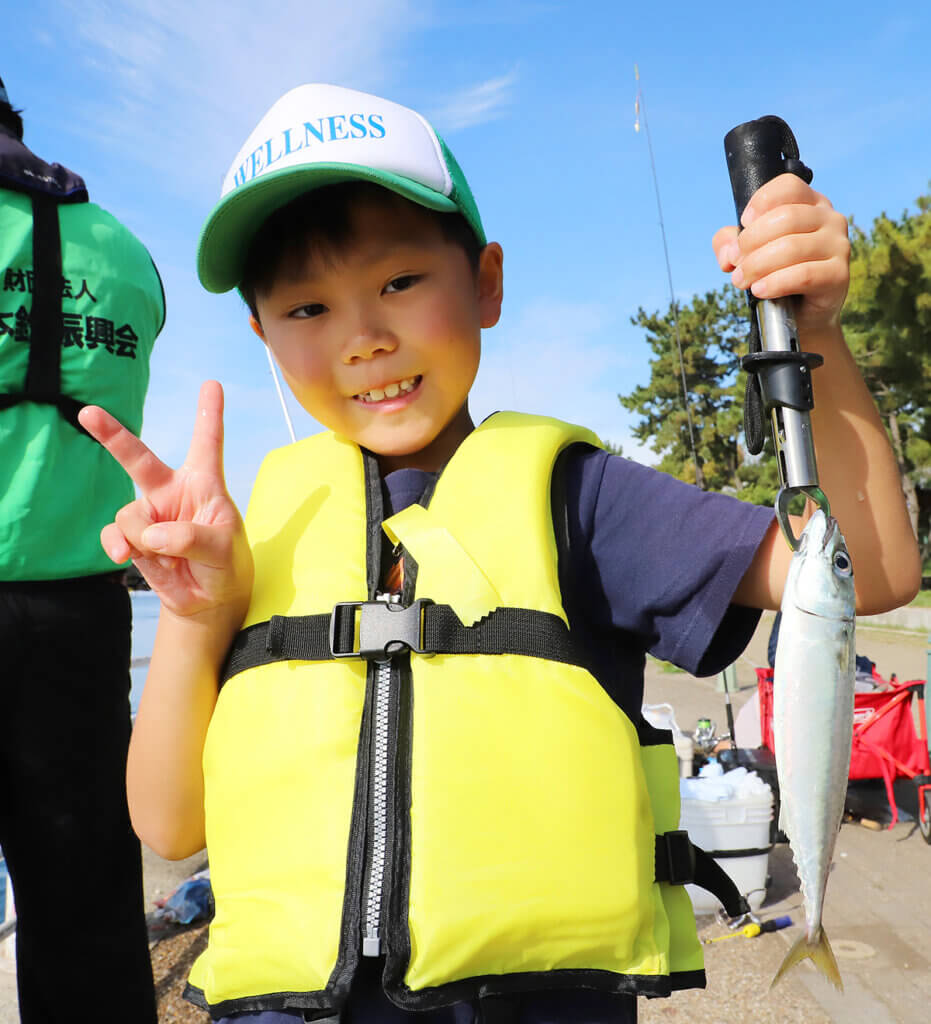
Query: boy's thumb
x=195, y=541
x=155, y=537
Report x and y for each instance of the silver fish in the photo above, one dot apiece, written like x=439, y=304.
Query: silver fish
x=813, y=691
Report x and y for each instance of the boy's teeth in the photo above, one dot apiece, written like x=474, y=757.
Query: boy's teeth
x=390, y=390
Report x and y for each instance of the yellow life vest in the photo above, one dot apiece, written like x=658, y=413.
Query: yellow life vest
x=484, y=817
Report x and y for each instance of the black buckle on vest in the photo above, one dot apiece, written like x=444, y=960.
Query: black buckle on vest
x=384, y=629
x=675, y=858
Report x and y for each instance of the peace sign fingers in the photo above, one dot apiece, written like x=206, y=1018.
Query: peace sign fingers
x=205, y=453
x=145, y=469
x=183, y=531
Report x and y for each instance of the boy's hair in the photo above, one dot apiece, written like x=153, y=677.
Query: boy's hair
x=320, y=222
x=9, y=117
x=11, y=120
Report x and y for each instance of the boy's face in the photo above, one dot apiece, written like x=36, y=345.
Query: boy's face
x=380, y=339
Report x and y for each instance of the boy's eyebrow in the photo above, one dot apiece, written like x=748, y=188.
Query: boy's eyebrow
x=315, y=262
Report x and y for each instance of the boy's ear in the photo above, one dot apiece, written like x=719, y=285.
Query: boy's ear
x=490, y=283
x=257, y=327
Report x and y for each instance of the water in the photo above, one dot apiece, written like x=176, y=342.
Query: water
x=145, y=619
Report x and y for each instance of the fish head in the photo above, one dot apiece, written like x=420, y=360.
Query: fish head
x=821, y=576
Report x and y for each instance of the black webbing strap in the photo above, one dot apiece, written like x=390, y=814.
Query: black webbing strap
x=43, y=375
x=679, y=861
x=503, y=631
x=754, y=427
x=67, y=407
x=282, y=638
x=424, y=627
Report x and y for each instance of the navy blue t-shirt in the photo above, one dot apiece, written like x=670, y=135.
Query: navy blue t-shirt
x=653, y=566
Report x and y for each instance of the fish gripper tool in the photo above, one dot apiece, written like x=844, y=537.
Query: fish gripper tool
x=778, y=372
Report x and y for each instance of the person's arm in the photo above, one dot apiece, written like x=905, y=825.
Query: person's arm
x=795, y=243
x=186, y=537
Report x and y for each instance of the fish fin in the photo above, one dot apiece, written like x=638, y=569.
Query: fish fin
x=821, y=955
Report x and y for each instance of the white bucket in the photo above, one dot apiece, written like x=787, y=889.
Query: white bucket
x=740, y=824
x=662, y=716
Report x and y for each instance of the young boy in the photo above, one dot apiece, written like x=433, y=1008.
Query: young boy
x=421, y=771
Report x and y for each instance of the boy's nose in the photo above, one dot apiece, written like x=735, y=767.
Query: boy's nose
x=367, y=341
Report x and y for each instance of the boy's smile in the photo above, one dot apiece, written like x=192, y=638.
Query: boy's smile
x=390, y=391
x=379, y=339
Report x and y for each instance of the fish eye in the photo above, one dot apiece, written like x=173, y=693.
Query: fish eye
x=842, y=563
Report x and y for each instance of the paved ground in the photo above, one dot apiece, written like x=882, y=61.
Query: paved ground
x=878, y=906
x=878, y=911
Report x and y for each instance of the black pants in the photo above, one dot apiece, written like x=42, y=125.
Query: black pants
x=75, y=864
x=368, y=1004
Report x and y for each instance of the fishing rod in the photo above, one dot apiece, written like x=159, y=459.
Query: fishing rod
x=640, y=112
x=778, y=372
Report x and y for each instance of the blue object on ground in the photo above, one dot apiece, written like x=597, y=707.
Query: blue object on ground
x=191, y=901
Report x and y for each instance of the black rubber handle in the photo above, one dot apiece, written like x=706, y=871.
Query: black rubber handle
x=758, y=151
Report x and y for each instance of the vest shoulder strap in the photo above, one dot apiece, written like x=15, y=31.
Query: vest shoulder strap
x=22, y=171
x=43, y=374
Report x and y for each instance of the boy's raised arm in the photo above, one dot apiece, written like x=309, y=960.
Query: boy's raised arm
x=795, y=243
x=186, y=537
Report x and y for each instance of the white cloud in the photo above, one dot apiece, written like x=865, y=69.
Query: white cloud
x=477, y=104
x=186, y=80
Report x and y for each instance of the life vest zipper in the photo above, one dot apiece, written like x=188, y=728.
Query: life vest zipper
x=377, y=838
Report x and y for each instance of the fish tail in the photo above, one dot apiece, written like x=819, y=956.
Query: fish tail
x=821, y=955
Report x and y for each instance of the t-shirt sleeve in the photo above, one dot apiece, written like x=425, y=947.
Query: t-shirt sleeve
x=661, y=559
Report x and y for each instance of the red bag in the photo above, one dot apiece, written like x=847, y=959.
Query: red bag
x=887, y=741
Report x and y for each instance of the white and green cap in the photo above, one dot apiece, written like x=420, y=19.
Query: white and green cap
x=318, y=135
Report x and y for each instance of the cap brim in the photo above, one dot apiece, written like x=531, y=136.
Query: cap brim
x=230, y=228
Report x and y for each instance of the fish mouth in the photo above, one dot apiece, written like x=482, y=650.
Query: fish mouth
x=830, y=528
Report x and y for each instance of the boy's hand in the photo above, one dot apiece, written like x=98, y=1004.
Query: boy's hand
x=793, y=243
x=184, y=533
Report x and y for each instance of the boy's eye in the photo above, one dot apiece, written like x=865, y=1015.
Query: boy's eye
x=402, y=283
x=306, y=312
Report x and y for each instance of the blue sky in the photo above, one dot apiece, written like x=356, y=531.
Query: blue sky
x=150, y=100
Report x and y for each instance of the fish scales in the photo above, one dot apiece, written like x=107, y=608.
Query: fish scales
x=813, y=701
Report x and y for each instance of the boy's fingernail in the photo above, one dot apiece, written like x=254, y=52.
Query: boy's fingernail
x=155, y=538
x=731, y=253
x=749, y=216
x=737, y=278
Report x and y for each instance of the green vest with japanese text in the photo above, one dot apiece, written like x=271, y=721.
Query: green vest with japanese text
x=58, y=487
